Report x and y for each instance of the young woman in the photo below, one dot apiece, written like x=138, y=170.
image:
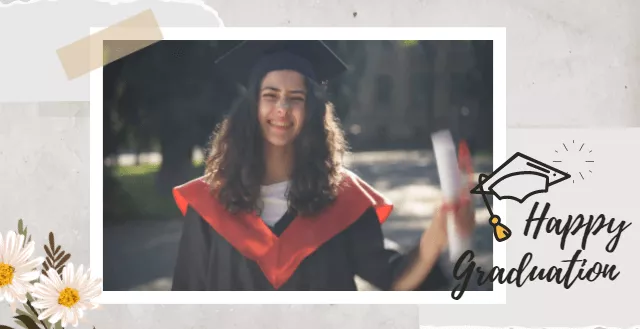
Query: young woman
x=276, y=208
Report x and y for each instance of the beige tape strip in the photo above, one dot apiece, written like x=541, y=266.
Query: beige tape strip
x=124, y=38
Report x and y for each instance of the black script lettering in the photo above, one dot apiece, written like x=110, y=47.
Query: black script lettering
x=534, y=274
x=539, y=220
x=609, y=270
x=526, y=259
x=497, y=273
x=555, y=224
x=482, y=277
x=596, y=269
x=554, y=273
x=517, y=276
x=580, y=225
x=613, y=243
x=573, y=226
x=572, y=262
x=544, y=274
x=513, y=276
x=466, y=274
x=598, y=224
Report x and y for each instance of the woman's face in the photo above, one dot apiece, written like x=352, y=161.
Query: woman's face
x=281, y=106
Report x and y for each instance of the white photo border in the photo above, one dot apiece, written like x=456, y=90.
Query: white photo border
x=497, y=296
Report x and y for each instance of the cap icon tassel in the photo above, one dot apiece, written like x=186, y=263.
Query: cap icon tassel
x=500, y=231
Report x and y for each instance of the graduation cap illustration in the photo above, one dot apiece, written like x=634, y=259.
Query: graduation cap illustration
x=518, y=178
x=253, y=58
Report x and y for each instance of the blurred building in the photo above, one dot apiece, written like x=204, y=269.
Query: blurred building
x=405, y=92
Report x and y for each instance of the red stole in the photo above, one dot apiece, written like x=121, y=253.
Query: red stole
x=280, y=256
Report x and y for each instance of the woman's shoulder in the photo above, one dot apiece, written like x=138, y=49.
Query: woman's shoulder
x=354, y=191
x=193, y=191
x=193, y=187
x=350, y=182
x=348, y=178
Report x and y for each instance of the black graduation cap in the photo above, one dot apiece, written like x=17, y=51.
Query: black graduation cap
x=312, y=58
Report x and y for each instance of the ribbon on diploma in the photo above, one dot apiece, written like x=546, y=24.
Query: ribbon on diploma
x=500, y=231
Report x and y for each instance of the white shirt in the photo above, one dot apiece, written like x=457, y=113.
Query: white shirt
x=274, y=202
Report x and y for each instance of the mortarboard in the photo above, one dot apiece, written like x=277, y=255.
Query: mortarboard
x=312, y=58
x=518, y=178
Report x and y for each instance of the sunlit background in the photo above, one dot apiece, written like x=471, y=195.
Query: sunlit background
x=162, y=103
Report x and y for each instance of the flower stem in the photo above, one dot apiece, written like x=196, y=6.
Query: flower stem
x=29, y=299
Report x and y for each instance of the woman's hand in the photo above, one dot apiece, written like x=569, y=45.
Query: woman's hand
x=435, y=238
x=465, y=218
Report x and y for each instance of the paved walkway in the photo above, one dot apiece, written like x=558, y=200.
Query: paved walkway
x=147, y=249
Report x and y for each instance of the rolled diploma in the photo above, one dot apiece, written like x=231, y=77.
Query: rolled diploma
x=449, y=172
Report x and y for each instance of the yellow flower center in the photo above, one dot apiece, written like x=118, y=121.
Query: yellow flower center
x=6, y=274
x=68, y=297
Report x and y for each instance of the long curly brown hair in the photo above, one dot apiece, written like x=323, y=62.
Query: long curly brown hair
x=235, y=164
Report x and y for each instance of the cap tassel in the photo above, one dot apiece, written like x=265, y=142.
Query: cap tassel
x=500, y=231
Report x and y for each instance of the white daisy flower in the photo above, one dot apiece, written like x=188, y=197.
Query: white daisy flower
x=16, y=269
x=65, y=298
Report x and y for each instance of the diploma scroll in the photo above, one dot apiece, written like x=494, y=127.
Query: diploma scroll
x=452, y=186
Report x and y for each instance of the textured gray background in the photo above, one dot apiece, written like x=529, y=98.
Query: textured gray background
x=610, y=190
x=570, y=64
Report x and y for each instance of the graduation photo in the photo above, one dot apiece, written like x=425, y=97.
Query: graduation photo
x=296, y=165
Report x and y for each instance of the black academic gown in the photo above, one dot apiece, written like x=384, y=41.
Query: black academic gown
x=207, y=261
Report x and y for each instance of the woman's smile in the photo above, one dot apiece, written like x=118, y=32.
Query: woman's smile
x=280, y=125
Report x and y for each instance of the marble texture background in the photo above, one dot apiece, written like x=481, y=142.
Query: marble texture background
x=570, y=64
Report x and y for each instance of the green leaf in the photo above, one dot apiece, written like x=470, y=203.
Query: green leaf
x=31, y=312
x=62, y=262
x=58, y=325
x=35, y=313
x=25, y=237
x=60, y=255
x=23, y=313
x=51, y=241
x=48, y=251
x=5, y=327
x=21, y=324
x=20, y=226
x=27, y=321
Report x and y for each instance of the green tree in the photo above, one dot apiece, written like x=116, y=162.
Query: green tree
x=174, y=96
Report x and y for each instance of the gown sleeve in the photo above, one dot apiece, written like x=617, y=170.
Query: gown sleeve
x=380, y=266
x=190, y=272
